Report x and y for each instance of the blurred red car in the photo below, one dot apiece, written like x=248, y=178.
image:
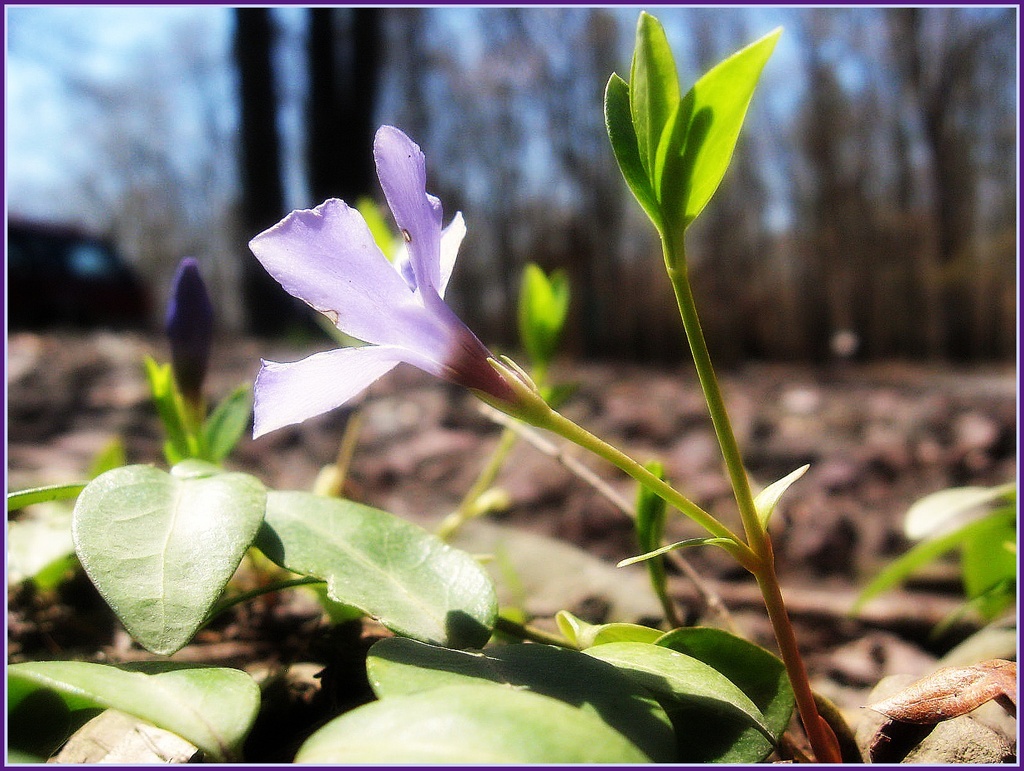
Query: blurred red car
x=60, y=276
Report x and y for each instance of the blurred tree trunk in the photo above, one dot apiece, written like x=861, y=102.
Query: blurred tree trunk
x=268, y=308
x=343, y=70
x=938, y=55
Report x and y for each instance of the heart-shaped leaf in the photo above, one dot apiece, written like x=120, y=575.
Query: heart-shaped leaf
x=213, y=708
x=407, y=578
x=160, y=548
x=758, y=673
x=684, y=685
x=397, y=667
x=468, y=724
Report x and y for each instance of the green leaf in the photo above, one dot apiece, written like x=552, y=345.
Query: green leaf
x=111, y=456
x=684, y=685
x=938, y=512
x=584, y=635
x=471, y=725
x=22, y=498
x=653, y=91
x=386, y=239
x=227, y=423
x=180, y=443
x=543, y=306
x=40, y=548
x=988, y=562
x=712, y=541
x=708, y=123
x=622, y=135
x=758, y=673
x=407, y=578
x=212, y=708
x=927, y=551
x=768, y=498
x=161, y=548
x=650, y=529
x=397, y=667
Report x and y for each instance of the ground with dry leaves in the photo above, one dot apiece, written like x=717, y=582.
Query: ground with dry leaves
x=877, y=437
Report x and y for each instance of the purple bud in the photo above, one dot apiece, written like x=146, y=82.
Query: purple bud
x=190, y=329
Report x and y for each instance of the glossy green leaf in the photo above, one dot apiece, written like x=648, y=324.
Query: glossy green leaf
x=713, y=541
x=622, y=135
x=397, y=667
x=927, y=551
x=761, y=675
x=708, y=123
x=766, y=500
x=653, y=92
x=584, y=635
x=471, y=725
x=683, y=684
x=226, y=424
x=407, y=578
x=213, y=708
x=543, y=306
x=22, y=498
x=161, y=548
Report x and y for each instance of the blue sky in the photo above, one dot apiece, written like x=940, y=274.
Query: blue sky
x=48, y=152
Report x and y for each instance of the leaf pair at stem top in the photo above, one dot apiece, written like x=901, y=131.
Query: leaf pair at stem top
x=673, y=150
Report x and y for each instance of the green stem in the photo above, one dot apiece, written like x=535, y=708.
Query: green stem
x=823, y=741
x=756, y=537
x=241, y=597
x=468, y=508
x=564, y=427
x=525, y=632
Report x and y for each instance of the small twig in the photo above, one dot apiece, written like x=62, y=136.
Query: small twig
x=538, y=441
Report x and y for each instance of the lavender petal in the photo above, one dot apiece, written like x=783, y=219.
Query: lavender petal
x=290, y=393
x=328, y=258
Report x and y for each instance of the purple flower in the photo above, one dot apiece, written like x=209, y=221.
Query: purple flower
x=328, y=258
x=190, y=329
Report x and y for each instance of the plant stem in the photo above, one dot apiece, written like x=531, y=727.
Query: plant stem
x=527, y=632
x=756, y=537
x=241, y=597
x=822, y=739
x=468, y=508
x=564, y=427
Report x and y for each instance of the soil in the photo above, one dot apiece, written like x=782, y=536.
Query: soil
x=877, y=438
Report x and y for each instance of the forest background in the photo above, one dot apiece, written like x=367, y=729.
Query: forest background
x=872, y=199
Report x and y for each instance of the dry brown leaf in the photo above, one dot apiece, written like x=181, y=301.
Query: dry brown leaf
x=952, y=691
